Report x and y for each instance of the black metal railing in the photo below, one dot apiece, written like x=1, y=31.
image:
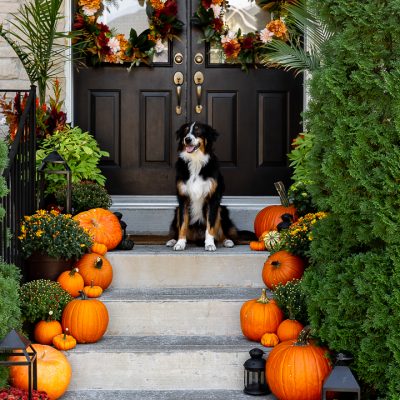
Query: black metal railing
x=20, y=175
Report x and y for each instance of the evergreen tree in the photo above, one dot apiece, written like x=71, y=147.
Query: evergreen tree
x=353, y=282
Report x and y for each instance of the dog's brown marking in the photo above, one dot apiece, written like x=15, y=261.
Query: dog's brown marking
x=202, y=146
x=213, y=187
x=183, y=224
x=214, y=230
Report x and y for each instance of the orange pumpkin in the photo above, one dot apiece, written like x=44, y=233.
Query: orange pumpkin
x=269, y=339
x=71, y=281
x=257, y=246
x=289, y=329
x=93, y=291
x=259, y=316
x=86, y=319
x=64, y=342
x=99, y=248
x=269, y=217
x=53, y=371
x=103, y=226
x=45, y=331
x=296, y=370
x=96, y=268
x=282, y=267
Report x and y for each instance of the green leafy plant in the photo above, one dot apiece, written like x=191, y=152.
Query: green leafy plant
x=43, y=300
x=54, y=234
x=86, y=195
x=292, y=301
x=35, y=38
x=81, y=152
x=301, y=148
x=299, y=195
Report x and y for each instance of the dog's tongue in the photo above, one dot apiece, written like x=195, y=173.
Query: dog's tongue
x=190, y=149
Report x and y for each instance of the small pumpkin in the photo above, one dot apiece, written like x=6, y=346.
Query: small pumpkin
x=259, y=316
x=93, y=291
x=96, y=268
x=99, y=248
x=269, y=339
x=63, y=341
x=53, y=371
x=71, y=281
x=271, y=239
x=289, y=329
x=257, y=246
x=86, y=319
x=303, y=376
x=282, y=267
x=44, y=331
x=103, y=226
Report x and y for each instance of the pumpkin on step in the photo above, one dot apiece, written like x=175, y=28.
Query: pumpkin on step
x=269, y=340
x=282, y=267
x=99, y=248
x=86, y=319
x=103, y=226
x=95, y=268
x=64, y=342
x=44, y=331
x=93, y=291
x=53, y=371
x=260, y=316
x=71, y=281
x=296, y=369
x=289, y=329
x=257, y=246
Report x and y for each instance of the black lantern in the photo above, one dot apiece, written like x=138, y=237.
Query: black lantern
x=55, y=158
x=15, y=344
x=341, y=382
x=254, y=374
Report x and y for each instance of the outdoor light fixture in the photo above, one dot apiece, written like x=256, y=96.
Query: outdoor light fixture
x=15, y=344
x=341, y=382
x=254, y=374
x=55, y=159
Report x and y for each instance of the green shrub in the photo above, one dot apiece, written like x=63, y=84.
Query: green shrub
x=40, y=297
x=10, y=313
x=81, y=152
x=86, y=195
x=3, y=164
x=352, y=284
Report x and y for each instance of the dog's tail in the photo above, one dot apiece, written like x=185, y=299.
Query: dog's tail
x=231, y=232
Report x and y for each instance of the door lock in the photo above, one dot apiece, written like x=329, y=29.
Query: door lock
x=178, y=58
x=198, y=58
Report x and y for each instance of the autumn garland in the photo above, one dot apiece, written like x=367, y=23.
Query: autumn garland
x=245, y=49
x=99, y=43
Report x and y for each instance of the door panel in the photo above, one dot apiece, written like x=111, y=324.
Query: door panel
x=133, y=116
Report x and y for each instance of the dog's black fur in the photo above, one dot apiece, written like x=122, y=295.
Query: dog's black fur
x=199, y=216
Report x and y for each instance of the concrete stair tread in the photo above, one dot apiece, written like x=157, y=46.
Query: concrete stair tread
x=181, y=294
x=169, y=344
x=160, y=395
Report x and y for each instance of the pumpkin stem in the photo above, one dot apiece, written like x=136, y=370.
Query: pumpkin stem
x=276, y=263
x=73, y=271
x=280, y=188
x=304, y=336
x=263, y=299
x=98, y=263
x=83, y=295
x=91, y=283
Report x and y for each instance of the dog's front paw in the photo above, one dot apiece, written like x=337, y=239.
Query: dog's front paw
x=180, y=245
x=210, y=247
x=228, y=243
x=171, y=243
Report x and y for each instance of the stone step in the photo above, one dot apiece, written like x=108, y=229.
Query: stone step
x=160, y=395
x=161, y=363
x=176, y=311
x=160, y=266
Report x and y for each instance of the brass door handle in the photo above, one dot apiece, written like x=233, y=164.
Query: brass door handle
x=198, y=80
x=178, y=80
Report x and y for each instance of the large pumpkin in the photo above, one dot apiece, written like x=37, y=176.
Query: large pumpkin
x=282, y=267
x=95, y=269
x=296, y=370
x=103, y=226
x=53, y=371
x=45, y=331
x=259, y=316
x=86, y=319
x=269, y=217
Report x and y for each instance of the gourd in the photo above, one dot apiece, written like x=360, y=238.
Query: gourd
x=63, y=341
x=44, y=331
x=271, y=239
x=259, y=316
x=257, y=246
x=269, y=339
x=95, y=268
x=103, y=226
x=86, y=319
x=71, y=281
x=282, y=267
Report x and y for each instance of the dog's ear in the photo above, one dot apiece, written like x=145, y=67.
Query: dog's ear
x=181, y=131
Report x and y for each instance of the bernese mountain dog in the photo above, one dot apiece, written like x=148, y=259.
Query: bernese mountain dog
x=199, y=217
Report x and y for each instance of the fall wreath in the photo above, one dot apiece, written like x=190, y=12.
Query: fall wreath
x=244, y=49
x=100, y=44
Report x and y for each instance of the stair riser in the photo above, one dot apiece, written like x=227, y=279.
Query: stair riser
x=174, y=318
x=198, y=370
x=144, y=271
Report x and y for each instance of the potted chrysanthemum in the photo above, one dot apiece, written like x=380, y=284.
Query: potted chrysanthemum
x=51, y=242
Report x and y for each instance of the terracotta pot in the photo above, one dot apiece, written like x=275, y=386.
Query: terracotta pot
x=41, y=266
